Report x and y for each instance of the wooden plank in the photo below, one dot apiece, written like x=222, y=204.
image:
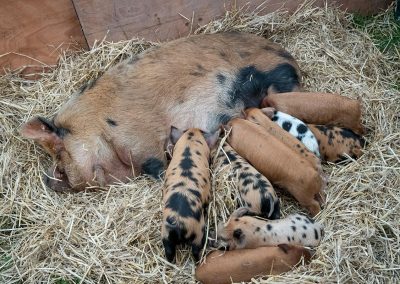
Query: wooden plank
x=34, y=32
x=162, y=20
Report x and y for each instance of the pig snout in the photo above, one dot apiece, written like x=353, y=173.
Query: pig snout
x=56, y=179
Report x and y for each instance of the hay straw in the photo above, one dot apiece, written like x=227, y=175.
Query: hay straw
x=114, y=236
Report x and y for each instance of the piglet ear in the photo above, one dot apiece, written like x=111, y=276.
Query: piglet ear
x=268, y=111
x=284, y=247
x=43, y=132
x=212, y=138
x=240, y=212
x=175, y=135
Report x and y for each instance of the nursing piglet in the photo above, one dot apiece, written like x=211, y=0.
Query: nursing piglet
x=319, y=108
x=242, y=231
x=335, y=141
x=277, y=162
x=255, y=189
x=186, y=191
x=295, y=127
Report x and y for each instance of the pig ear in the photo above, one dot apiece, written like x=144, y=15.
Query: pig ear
x=37, y=128
x=268, y=111
x=212, y=138
x=284, y=247
x=242, y=211
x=175, y=134
x=43, y=132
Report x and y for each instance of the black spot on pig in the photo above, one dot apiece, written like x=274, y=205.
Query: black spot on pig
x=190, y=135
x=186, y=163
x=195, y=193
x=323, y=129
x=347, y=133
x=153, y=167
x=237, y=234
x=244, y=175
x=223, y=118
x=269, y=227
x=301, y=128
x=330, y=138
x=221, y=78
x=246, y=182
x=179, y=184
x=250, y=84
x=180, y=203
x=287, y=125
x=111, y=122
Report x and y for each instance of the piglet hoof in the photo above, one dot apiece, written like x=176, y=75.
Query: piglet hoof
x=268, y=111
x=320, y=198
x=314, y=208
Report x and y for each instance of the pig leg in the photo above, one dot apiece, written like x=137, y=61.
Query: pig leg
x=313, y=207
x=198, y=245
x=170, y=249
x=196, y=252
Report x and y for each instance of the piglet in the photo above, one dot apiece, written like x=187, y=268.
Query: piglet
x=295, y=127
x=260, y=117
x=225, y=267
x=186, y=191
x=241, y=231
x=277, y=162
x=335, y=141
x=255, y=190
x=319, y=108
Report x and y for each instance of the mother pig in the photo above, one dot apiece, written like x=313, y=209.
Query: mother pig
x=117, y=127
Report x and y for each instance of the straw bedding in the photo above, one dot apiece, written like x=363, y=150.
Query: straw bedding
x=113, y=236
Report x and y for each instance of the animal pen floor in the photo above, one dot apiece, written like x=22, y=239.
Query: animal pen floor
x=113, y=236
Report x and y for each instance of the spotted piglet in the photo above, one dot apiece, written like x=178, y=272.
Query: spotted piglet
x=278, y=163
x=186, y=191
x=242, y=231
x=295, y=127
x=255, y=189
x=335, y=141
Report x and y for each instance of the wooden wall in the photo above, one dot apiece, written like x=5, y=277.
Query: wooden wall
x=162, y=20
x=33, y=32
